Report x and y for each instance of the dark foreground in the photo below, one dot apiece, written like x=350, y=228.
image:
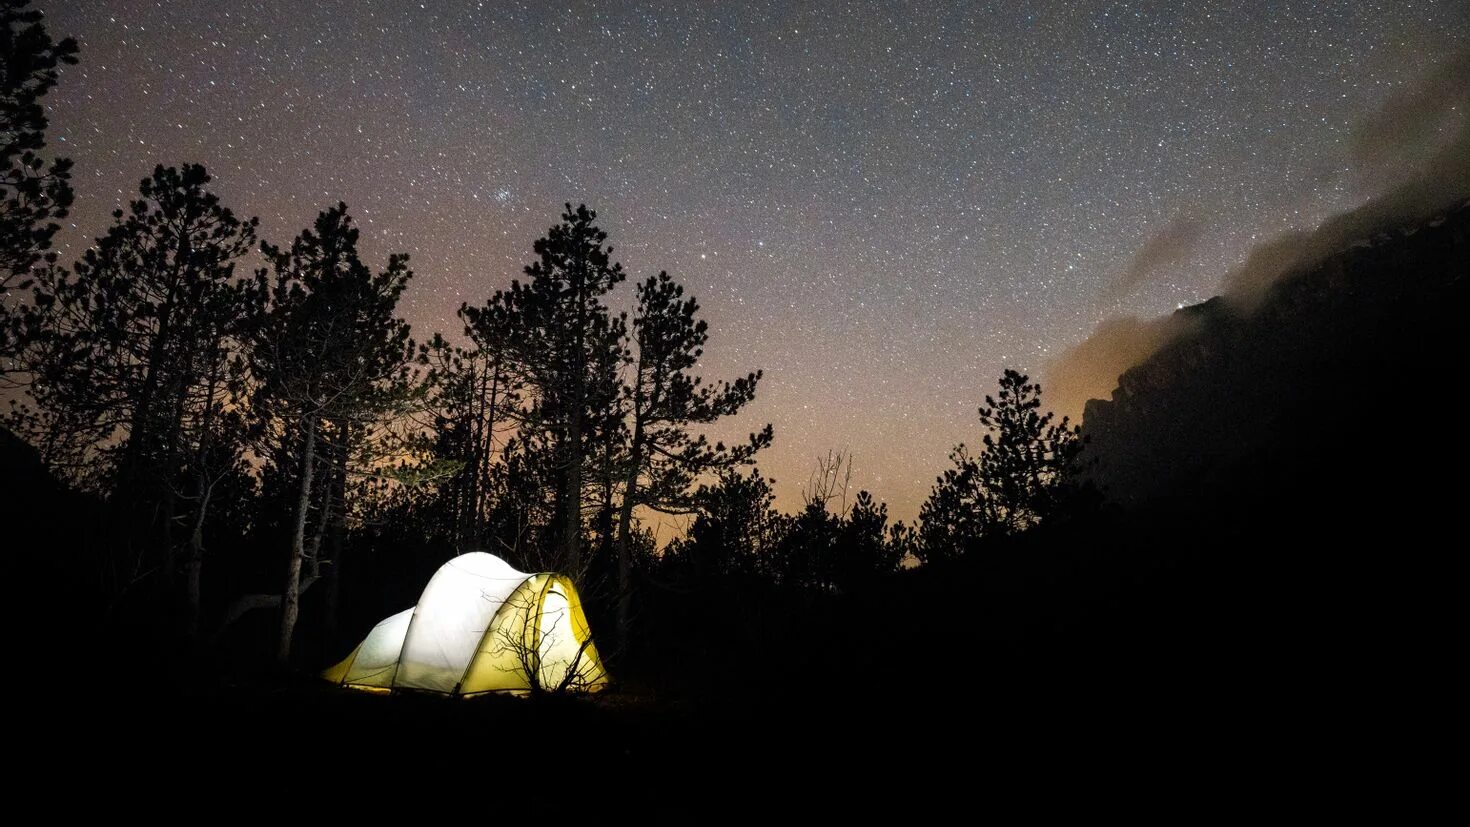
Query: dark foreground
x=1091, y=665
x=1083, y=740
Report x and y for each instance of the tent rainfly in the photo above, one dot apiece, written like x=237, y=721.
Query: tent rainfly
x=480, y=626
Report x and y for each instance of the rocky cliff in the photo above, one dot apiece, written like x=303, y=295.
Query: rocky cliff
x=1342, y=374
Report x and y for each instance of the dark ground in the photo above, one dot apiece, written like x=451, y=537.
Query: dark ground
x=1092, y=665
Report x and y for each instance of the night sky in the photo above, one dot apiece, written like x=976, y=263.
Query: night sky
x=881, y=205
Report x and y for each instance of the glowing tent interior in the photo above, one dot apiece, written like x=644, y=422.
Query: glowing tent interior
x=480, y=626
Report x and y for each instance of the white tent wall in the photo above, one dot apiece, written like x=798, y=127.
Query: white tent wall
x=375, y=662
x=450, y=620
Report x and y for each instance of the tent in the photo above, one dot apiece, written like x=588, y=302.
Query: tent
x=480, y=626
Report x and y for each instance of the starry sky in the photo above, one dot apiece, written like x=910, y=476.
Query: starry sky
x=882, y=205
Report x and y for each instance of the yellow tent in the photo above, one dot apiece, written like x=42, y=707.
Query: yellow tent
x=480, y=626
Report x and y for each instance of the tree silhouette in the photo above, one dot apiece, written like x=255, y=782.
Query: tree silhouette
x=951, y=519
x=663, y=459
x=734, y=533
x=33, y=193
x=137, y=376
x=1027, y=456
x=522, y=519
x=832, y=546
x=330, y=358
x=867, y=546
x=1021, y=476
x=559, y=340
x=807, y=553
x=471, y=397
x=127, y=329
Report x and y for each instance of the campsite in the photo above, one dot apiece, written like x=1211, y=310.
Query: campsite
x=745, y=403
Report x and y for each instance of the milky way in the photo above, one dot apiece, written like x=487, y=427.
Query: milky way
x=881, y=205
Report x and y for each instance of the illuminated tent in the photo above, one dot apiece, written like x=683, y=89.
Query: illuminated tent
x=480, y=626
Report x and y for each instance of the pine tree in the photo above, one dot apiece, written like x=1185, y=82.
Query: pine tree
x=1022, y=476
x=807, y=555
x=126, y=329
x=559, y=339
x=664, y=399
x=33, y=193
x=867, y=547
x=735, y=531
x=331, y=359
x=1026, y=458
x=951, y=520
x=138, y=377
x=470, y=400
x=521, y=523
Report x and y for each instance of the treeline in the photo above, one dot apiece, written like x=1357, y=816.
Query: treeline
x=251, y=417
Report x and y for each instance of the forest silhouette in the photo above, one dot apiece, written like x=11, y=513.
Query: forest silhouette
x=230, y=458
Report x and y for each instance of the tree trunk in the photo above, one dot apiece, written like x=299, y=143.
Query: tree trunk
x=484, y=448
x=468, y=498
x=571, y=516
x=571, y=529
x=291, y=595
x=625, y=539
x=194, y=564
x=606, y=512
x=166, y=474
x=333, y=599
x=335, y=546
x=330, y=451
